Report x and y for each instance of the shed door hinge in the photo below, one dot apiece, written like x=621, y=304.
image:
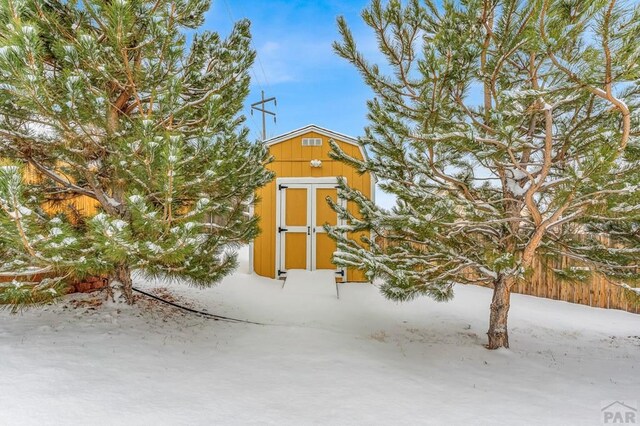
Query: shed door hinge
x=340, y=272
x=281, y=187
x=281, y=230
x=281, y=272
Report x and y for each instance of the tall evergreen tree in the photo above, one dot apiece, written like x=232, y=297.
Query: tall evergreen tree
x=501, y=126
x=111, y=100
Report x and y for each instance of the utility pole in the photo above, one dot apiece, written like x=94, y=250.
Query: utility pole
x=261, y=106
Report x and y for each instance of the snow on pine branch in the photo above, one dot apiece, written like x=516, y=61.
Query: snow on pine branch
x=635, y=290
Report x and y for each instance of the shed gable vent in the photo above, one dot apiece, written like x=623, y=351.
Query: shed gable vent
x=311, y=142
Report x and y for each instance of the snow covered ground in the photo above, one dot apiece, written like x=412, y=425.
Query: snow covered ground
x=357, y=360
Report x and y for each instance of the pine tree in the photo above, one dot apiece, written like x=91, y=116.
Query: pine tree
x=123, y=102
x=502, y=127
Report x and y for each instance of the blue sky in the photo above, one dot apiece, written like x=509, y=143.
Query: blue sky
x=296, y=62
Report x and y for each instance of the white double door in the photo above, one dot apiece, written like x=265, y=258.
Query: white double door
x=302, y=242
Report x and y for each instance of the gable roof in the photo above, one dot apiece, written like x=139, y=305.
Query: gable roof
x=330, y=134
x=316, y=129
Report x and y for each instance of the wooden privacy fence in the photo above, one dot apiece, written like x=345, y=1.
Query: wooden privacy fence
x=594, y=291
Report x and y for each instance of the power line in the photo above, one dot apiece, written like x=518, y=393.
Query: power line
x=264, y=74
x=255, y=75
x=233, y=20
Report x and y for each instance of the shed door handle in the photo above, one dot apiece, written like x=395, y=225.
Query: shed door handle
x=308, y=230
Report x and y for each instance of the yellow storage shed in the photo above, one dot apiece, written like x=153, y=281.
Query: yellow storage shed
x=293, y=207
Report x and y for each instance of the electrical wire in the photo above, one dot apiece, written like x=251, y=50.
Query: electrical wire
x=195, y=311
x=252, y=70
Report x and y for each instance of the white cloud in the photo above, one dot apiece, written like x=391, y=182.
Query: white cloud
x=293, y=59
x=269, y=47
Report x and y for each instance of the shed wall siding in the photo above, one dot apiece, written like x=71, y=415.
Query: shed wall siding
x=291, y=159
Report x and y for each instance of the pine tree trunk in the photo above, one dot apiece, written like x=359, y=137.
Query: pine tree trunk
x=122, y=274
x=498, y=334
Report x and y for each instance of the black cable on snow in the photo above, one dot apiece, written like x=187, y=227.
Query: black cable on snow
x=195, y=311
